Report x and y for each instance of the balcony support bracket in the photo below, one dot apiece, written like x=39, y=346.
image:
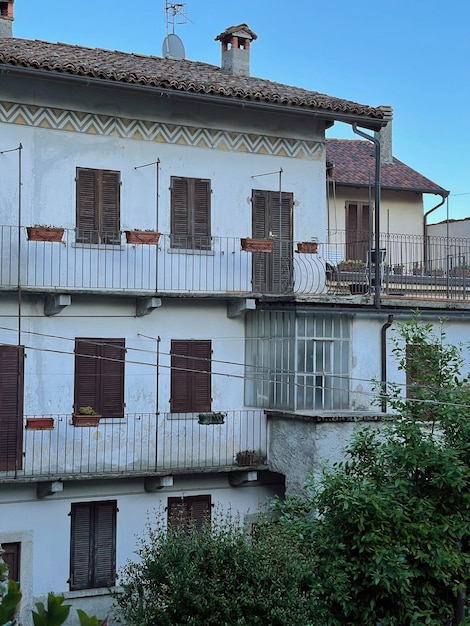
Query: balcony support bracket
x=56, y=302
x=154, y=483
x=239, y=478
x=236, y=308
x=144, y=306
x=48, y=488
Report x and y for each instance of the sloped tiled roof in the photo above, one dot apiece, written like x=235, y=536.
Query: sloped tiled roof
x=354, y=165
x=179, y=75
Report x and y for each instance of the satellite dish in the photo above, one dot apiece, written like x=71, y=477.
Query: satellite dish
x=173, y=47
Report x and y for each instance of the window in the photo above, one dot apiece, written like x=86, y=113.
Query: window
x=99, y=375
x=190, y=376
x=11, y=557
x=93, y=545
x=98, y=206
x=11, y=406
x=189, y=510
x=358, y=230
x=190, y=213
x=297, y=361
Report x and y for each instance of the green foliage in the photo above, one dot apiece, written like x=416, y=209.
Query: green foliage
x=10, y=597
x=88, y=620
x=387, y=530
x=222, y=575
x=55, y=614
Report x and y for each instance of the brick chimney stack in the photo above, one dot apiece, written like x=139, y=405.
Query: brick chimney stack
x=6, y=18
x=236, y=42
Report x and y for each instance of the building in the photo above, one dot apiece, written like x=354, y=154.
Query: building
x=168, y=302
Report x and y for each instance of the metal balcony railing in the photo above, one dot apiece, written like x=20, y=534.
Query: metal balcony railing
x=52, y=448
x=97, y=262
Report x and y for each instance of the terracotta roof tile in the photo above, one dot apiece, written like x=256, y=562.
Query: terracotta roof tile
x=181, y=75
x=354, y=164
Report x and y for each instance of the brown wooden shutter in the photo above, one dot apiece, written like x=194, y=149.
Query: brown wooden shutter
x=93, y=545
x=260, y=228
x=190, y=376
x=99, y=375
x=11, y=406
x=194, y=510
x=110, y=207
x=111, y=395
x=201, y=214
x=81, y=546
x=87, y=201
x=11, y=556
x=104, y=544
x=281, y=265
x=179, y=212
x=358, y=230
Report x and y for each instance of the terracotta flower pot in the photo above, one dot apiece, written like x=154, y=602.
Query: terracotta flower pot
x=257, y=245
x=85, y=420
x=39, y=423
x=44, y=233
x=143, y=236
x=310, y=247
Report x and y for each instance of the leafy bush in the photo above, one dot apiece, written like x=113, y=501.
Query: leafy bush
x=222, y=575
x=10, y=597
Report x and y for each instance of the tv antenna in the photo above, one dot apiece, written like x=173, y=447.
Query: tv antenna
x=173, y=47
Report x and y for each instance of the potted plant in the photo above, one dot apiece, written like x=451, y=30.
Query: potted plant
x=309, y=247
x=417, y=269
x=257, y=245
x=86, y=416
x=398, y=269
x=461, y=271
x=211, y=418
x=45, y=233
x=137, y=236
x=351, y=265
x=249, y=457
x=39, y=423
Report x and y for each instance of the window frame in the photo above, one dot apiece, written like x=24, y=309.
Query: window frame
x=93, y=563
x=12, y=557
x=98, y=206
x=181, y=511
x=190, y=213
x=191, y=375
x=99, y=375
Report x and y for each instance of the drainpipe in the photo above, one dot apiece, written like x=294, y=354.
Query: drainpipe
x=444, y=196
x=383, y=357
x=377, y=267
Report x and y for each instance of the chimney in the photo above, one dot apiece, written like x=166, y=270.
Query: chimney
x=6, y=18
x=384, y=135
x=236, y=42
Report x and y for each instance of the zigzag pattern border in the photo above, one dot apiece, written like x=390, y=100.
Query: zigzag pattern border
x=93, y=124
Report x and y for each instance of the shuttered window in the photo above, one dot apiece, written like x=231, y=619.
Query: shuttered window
x=190, y=213
x=189, y=510
x=11, y=406
x=190, y=376
x=99, y=375
x=98, y=206
x=11, y=557
x=93, y=545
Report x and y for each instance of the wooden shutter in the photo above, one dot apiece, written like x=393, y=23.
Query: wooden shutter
x=93, y=545
x=87, y=200
x=98, y=206
x=99, y=375
x=11, y=556
x=190, y=376
x=260, y=260
x=358, y=230
x=104, y=570
x=110, y=207
x=179, y=212
x=201, y=214
x=194, y=510
x=190, y=213
x=111, y=389
x=11, y=406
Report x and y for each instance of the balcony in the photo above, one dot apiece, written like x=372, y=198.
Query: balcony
x=436, y=268
x=141, y=444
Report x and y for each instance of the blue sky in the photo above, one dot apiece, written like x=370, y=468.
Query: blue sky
x=411, y=54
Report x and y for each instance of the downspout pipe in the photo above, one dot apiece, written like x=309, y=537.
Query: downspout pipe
x=377, y=268
x=444, y=196
x=383, y=358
